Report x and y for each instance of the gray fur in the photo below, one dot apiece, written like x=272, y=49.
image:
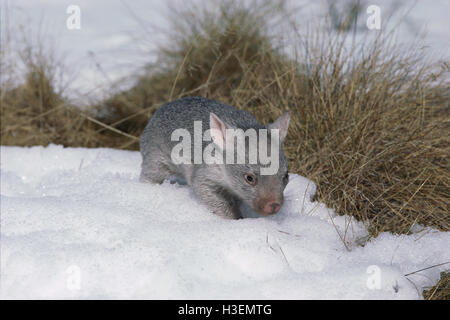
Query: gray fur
x=220, y=187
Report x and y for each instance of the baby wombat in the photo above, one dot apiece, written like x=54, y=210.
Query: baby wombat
x=177, y=142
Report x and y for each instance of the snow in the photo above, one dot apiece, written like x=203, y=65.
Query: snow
x=77, y=223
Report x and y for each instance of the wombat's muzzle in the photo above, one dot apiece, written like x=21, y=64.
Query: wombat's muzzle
x=267, y=207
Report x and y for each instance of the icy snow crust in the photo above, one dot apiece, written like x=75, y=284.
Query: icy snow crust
x=77, y=223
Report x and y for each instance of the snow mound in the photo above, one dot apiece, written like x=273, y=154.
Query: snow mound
x=77, y=223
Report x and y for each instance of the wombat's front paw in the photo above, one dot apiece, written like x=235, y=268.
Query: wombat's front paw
x=236, y=214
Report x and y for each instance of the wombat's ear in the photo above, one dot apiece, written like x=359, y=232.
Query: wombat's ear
x=282, y=124
x=218, y=132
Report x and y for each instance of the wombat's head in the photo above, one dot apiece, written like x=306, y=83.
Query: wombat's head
x=259, y=181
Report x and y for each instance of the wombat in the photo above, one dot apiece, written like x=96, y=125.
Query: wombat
x=222, y=187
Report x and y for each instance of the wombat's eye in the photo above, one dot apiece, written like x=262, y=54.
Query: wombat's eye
x=250, y=178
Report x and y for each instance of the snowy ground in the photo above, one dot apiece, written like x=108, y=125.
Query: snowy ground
x=76, y=223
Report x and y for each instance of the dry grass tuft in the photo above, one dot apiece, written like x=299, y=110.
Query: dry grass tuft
x=441, y=291
x=371, y=132
x=34, y=112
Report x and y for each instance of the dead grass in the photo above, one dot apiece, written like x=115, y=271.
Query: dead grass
x=369, y=125
x=34, y=114
x=209, y=54
x=441, y=291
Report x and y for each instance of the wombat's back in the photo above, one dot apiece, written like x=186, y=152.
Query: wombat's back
x=183, y=112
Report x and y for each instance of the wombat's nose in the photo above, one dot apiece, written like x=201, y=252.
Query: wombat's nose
x=271, y=207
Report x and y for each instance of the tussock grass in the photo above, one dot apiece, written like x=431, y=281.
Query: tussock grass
x=370, y=123
x=34, y=110
x=441, y=291
x=209, y=52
